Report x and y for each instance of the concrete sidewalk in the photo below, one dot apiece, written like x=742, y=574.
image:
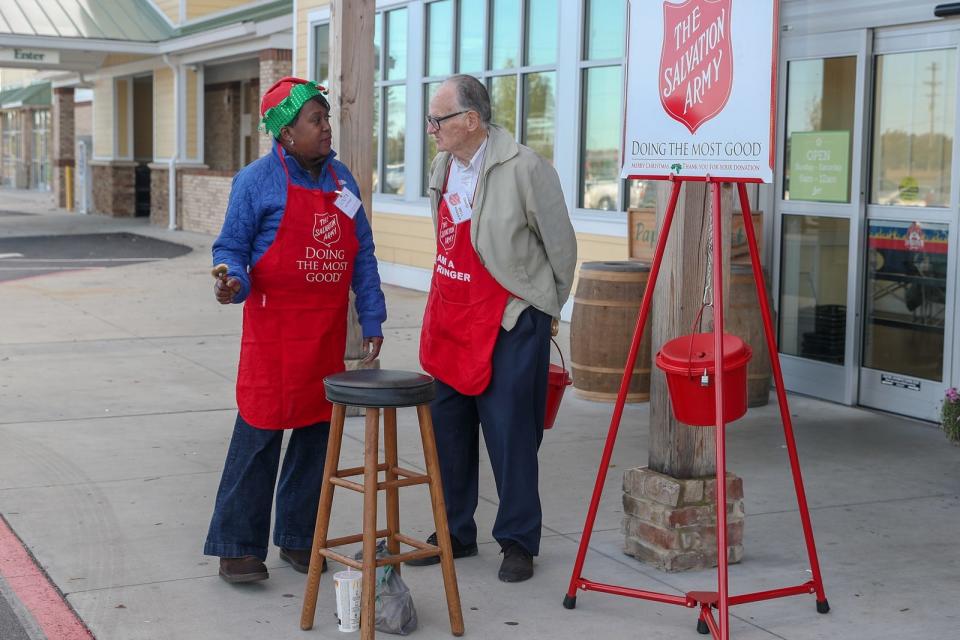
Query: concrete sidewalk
x=116, y=389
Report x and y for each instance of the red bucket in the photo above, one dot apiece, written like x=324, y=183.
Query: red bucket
x=689, y=363
x=558, y=379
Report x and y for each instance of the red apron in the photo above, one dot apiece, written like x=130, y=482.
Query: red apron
x=295, y=319
x=464, y=310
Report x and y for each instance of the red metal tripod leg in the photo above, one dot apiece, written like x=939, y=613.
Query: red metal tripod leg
x=822, y=604
x=723, y=608
x=570, y=599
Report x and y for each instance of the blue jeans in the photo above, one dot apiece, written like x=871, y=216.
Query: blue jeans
x=241, y=517
x=510, y=412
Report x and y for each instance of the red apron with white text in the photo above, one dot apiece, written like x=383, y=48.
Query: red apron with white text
x=464, y=310
x=295, y=319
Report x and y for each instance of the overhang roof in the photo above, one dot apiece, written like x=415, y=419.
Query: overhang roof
x=134, y=26
x=132, y=20
x=37, y=94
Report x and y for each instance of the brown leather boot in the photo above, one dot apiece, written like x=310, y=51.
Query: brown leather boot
x=299, y=559
x=245, y=569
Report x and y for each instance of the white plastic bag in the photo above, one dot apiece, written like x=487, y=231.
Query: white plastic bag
x=394, y=612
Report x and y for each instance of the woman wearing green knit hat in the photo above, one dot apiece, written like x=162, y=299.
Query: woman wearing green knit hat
x=295, y=240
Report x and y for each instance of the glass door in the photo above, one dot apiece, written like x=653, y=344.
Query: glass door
x=908, y=270
x=819, y=203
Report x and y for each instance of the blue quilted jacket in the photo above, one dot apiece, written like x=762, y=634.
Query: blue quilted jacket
x=257, y=200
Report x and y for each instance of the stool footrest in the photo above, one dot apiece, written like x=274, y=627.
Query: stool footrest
x=381, y=562
x=406, y=478
x=347, y=484
x=387, y=484
x=357, y=471
x=357, y=537
x=421, y=550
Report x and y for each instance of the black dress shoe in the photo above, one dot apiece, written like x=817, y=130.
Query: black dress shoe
x=299, y=559
x=459, y=551
x=244, y=569
x=517, y=564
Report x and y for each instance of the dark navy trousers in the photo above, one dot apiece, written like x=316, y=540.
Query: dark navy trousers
x=510, y=412
x=240, y=525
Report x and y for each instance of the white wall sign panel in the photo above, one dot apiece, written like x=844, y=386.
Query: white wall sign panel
x=700, y=89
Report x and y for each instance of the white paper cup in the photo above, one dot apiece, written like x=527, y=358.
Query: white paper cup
x=347, y=585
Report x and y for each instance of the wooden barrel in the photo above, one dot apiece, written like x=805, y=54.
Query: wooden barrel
x=605, y=309
x=743, y=320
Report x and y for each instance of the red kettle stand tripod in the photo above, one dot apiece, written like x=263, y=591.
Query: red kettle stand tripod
x=720, y=600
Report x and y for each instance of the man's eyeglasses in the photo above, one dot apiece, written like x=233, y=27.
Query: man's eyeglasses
x=434, y=121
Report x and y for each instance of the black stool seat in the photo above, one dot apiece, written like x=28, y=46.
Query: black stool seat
x=379, y=388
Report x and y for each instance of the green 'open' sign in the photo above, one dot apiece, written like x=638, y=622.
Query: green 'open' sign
x=820, y=166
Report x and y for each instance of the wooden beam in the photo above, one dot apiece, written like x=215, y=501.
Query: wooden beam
x=351, y=98
x=676, y=449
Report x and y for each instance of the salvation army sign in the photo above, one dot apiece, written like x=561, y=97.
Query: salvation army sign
x=706, y=107
x=696, y=69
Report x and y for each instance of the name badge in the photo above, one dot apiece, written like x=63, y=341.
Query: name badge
x=348, y=203
x=458, y=203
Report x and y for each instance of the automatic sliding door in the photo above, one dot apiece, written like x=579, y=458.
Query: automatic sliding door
x=817, y=211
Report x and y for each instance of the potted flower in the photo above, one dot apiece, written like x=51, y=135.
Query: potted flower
x=950, y=415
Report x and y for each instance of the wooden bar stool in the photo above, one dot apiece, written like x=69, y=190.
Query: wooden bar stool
x=376, y=390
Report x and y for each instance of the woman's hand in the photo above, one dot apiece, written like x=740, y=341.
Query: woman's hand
x=372, y=347
x=225, y=289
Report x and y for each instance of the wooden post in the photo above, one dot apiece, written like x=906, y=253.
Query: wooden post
x=676, y=449
x=351, y=99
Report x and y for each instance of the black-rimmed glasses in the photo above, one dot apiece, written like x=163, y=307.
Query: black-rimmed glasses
x=434, y=121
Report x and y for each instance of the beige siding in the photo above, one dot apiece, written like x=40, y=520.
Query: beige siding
x=300, y=64
x=163, y=113
x=113, y=59
x=200, y=8
x=170, y=8
x=103, y=118
x=192, y=116
x=122, y=88
x=16, y=77
x=591, y=248
x=404, y=240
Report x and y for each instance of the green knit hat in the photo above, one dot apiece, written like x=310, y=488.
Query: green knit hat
x=283, y=101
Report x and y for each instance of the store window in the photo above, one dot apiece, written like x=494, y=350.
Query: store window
x=819, y=137
x=814, y=261
x=390, y=101
x=915, y=97
x=390, y=71
x=511, y=45
x=40, y=151
x=321, y=54
x=601, y=90
x=905, y=299
x=10, y=147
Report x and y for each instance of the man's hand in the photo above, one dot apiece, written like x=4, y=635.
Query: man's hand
x=372, y=347
x=225, y=289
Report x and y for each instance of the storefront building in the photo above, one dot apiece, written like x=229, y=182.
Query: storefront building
x=858, y=227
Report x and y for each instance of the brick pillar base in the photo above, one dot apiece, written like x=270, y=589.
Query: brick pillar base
x=159, y=198
x=672, y=523
x=113, y=188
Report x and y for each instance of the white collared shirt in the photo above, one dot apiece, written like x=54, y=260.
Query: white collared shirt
x=463, y=177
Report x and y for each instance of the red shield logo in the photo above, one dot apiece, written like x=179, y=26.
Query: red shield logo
x=696, y=62
x=447, y=231
x=326, y=228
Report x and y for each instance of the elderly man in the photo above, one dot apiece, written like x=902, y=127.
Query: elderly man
x=506, y=254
